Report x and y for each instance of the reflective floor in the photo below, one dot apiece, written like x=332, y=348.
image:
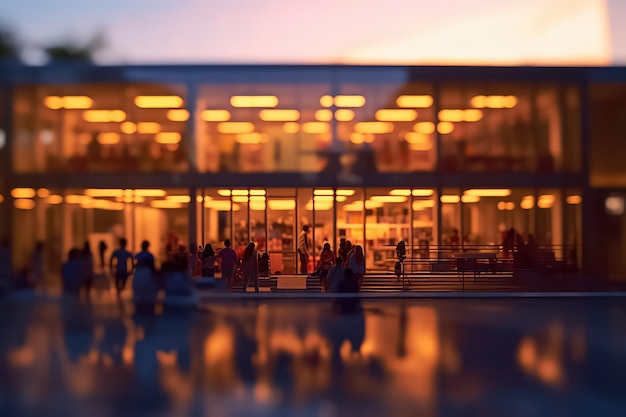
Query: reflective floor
x=448, y=357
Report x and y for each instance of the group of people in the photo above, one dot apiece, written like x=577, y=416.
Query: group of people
x=343, y=272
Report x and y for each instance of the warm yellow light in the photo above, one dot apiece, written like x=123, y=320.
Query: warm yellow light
x=425, y=128
x=427, y=146
x=77, y=102
x=423, y=204
x=250, y=138
x=158, y=102
x=341, y=198
x=281, y=204
x=240, y=199
x=128, y=128
x=78, y=199
x=527, y=202
x=472, y=115
x=400, y=191
x=349, y=101
x=23, y=193
x=574, y=199
x=257, y=192
x=319, y=205
x=344, y=115
x=102, y=192
x=545, y=201
x=235, y=127
x=215, y=115
x=395, y=115
x=257, y=205
x=148, y=127
x=199, y=199
x=388, y=198
x=493, y=102
x=445, y=128
x=53, y=102
x=373, y=127
x=166, y=204
x=501, y=205
x=24, y=204
x=224, y=193
x=451, y=115
x=279, y=115
x=510, y=205
x=323, y=192
x=291, y=127
x=315, y=127
x=358, y=205
x=102, y=205
x=221, y=205
x=168, y=138
x=108, y=138
x=323, y=115
x=254, y=101
x=417, y=101
x=489, y=192
x=509, y=102
x=43, y=192
x=450, y=198
x=154, y=192
x=1, y=198
x=422, y=193
x=470, y=199
x=346, y=192
x=479, y=102
x=357, y=138
x=54, y=199
x=178, y=115
x=104, y=116
x=240, y=192
x=416, y=138
x=326, y=101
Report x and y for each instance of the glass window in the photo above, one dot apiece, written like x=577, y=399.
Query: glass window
x=424, y=212
x=282, y=232
x=351, y=209
x=100, y=128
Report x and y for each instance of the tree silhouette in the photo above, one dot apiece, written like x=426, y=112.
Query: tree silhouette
x=73, y=51
x=9, y=47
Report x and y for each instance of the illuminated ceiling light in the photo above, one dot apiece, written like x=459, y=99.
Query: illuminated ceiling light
x=344, y=115
x=527, y=202
x=395, y=115
x=425, y=128
x=404, y=192
x=154, y=192
x=423, y=204
x=422, y=193
x=417, y=101
x=574, y=199
x=278, y=204
x=489, y=192
x=128, y=128
x=358, y=205
x=158, y=102
x=250, y=138
x=104, y=116
x=179, y=198
x=235, y=127
x=450, y=198
x=509, y=102
x=102, y=205
x=320, y=205
x=345, y=192
x=417, y=138
x=101, y=192
x=224, y=193
x=510, y=205
x=257, y=205
x=24, y=204
x=421, y=146
x=53, y=102
x=291, y=127
x=199, y=199
x=43, y=192
x=323, y=115
x=221, y=205
x=373, y=127
x=1, y=198
x=614, y=205
x=451, y=115
x=108, y=138
x=54, y=199
x=388, y=198
x=501, y=205
x=257, y=192
x=215, y=115
x=240, y=192
x=148, y=127
x=240, y=199
x=326, y=101
x=315, y=127
x=349, y=101
x=470, y=199
x=472, y=115
x=77, y=199
x=341, y=198
x=445, y=128
x=323, y=198
x=168, y=138
x=279, y=115
x=166, y=204
x=480, y=102
x=254, y=101
x=23, y=193
x=495, y=102
x=178, y=115
x=128, y=193
x=323, y=192
x=357, y=138
x=545, y=201
x=77, y=102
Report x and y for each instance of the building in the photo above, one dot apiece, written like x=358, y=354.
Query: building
x=375, y=154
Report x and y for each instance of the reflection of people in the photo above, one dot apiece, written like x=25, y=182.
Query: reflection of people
x=121, y=256
x=229, y=260
x=102, y=247
x=357, y=264
x=250, y=267
x=303, y=249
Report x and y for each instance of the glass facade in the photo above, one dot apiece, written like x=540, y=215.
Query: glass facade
x=445, y=159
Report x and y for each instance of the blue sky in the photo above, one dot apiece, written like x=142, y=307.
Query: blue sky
x=333, y=31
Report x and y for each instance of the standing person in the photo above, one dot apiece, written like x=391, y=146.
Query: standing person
x=327, y=260
x=228, y=258
x=88, y=273
x=208, y=261
x=335, y=275
x=122, y=257
x=303, y=249
x=102, y=248
x=357, y=264
x=250, y=267
x=145, y=285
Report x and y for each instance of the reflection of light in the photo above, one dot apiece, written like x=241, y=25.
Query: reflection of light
x=235, y=127
x=323, y=192
x=395, y=115
x=219, y=346
x=167, y=138
x=493, y=102
x=388, y=198
x=417, y=101
x=53, y=102
x=323, y=115
x=179, y=198
x=423, y=204
x=23, y=193
x=545, y=201
x=96, y=116
x=316, y=127
x=489, y=192
x=373, y=127
x=509, y=205
x=158, y=102
x=252, y=138
x=450, y=198
x=345, y=192
x=108, y=138
x=421, y=146
x=326, y=101
x=279, y=115
x=153, y=192
x=254, y=101
x=220, y=205
x=54, y=199
x=128, y=128
x=101, y=192
x=574, y=199
x=148, y=127
x=240, y=199
x=527, y=202
x=281, y=204
x=445, y=128
x=425, y=128
x=178, y=115
x=399, y=191
x=422, y=192
x=319, y=204
x=527, y=353
x=614, y=205
x=215, y=115
x=349, y=101
x=344, y=115
x=416, y=138
x=291, y=127
x=501, y=205
x=166, y=204
x=358, y=205
x=458, y=115
x=470, y=199
x=24, y=204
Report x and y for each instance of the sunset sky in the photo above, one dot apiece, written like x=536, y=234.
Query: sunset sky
x=509, y=32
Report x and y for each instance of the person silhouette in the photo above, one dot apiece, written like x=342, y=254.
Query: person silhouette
x=121, y=257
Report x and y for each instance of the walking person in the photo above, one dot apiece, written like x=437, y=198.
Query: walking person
x=208, y=261
x=250, y=267
x=303, y=249
x=229, y=260
x=357, y=264
x=88, y=272
x=122, y=257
